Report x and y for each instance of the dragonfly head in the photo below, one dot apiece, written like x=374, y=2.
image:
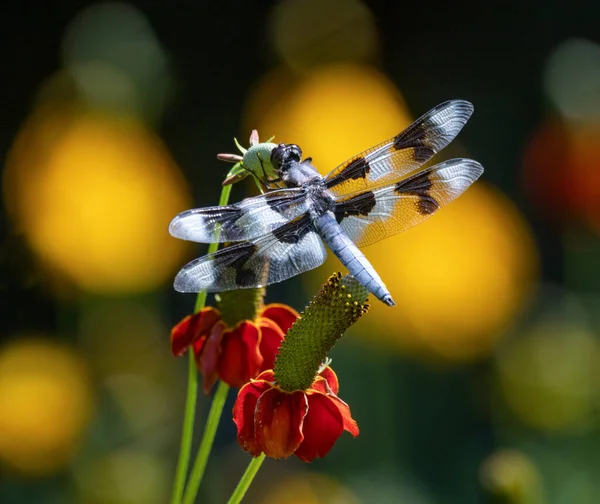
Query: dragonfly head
x=283, y=155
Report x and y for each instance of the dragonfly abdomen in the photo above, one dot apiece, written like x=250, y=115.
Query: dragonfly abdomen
x=351, y=257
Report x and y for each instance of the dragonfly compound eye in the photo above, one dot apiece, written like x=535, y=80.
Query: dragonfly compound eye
x=294, y=152
x=277, y=155
x=283, y=154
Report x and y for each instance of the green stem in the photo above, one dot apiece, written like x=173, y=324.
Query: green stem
x=188, y=430
x=208, y=437
x=251, y=470
x=192, y=389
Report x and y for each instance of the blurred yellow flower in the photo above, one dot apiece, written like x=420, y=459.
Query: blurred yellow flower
x=125, y=476
x=94, y=195
x=46, y=403
x=332, y=114
x=511, y=476
x=308, y=488
x=458, y=279
x=548, y=375
x=340, y=31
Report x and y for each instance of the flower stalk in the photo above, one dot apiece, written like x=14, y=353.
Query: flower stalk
x=210, y=430
x=187, y=435
x=246, y=480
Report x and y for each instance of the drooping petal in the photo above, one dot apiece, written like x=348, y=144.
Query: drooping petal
x=244, y=410
x=192, y=328
x=284, y=316
x=350, y=424
x=322, y=386
x=267, y=375
x=240, y=358
x=207, y=355
x=332, y=379
x=323, y=425
x=278, y=421
x=271, y=338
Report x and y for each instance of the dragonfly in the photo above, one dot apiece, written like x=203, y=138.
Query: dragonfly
x=373, y=195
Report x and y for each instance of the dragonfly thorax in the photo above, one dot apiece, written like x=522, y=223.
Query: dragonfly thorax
x=321, y=200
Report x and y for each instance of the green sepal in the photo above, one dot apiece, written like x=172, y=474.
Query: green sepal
x=239, y=146
x=338, y=305
x=238, y=305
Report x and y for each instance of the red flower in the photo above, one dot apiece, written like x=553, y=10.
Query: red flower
x=235, y=355
x=306, y=423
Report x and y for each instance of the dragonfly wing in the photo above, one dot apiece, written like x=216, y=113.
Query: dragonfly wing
x=291, y=249
x=370, y=216
x=404, y=153
x=246, y=220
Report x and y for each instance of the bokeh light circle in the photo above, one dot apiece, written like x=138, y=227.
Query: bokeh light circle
x=124, y=476
x=561, y=172
x=572, y=79
x=548, y=375
x=94, y=195
x=308, y=488
x=116, y=60
x=46, y=400
x=332, y=114
x=458, y=279
x=511, y=476
x=310, y=33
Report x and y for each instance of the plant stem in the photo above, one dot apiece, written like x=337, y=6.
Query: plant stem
x=244, y=484
x=208, y=437
x=192, y=388
x=188, y=430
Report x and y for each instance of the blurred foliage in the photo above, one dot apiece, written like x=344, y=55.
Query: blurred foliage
x=480, y=386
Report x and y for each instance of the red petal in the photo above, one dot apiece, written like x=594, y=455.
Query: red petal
x=243, y=414
x=350, y=424
x=240, y=356
x=207, y=356
x=323, y=425
x=284, y=316
x=192, y=328
x=278, y=421
x=322, y=386
x=332, y=379
x=270, y=341
x=268, y=375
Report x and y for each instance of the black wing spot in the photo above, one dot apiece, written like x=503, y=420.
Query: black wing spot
x=242, y=253
x=282, y=205
x=356, y=169
x=361, y=204
x=293, y=231
x=228, y=217
x=427, y=205
x=273, y=200
x=415, y=137
x=419, y=185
